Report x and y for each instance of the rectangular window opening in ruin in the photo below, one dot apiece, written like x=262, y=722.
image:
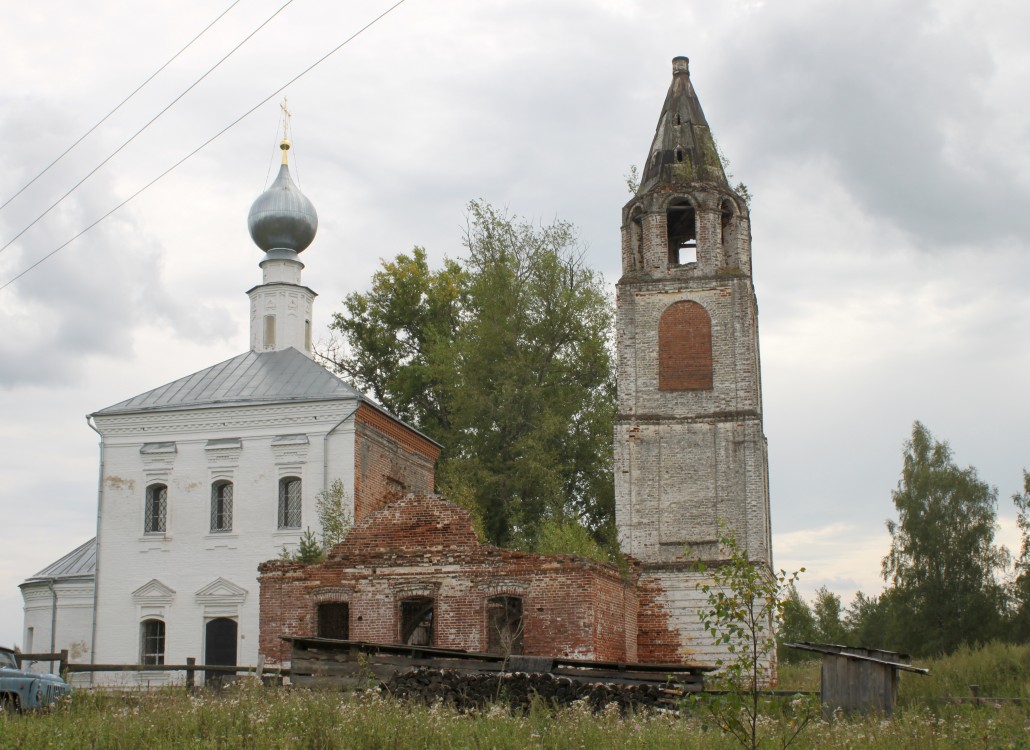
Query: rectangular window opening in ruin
x=334, y=620
x=417, y=621
x=504, y=628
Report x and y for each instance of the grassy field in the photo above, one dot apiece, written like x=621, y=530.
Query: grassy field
x=249, y=716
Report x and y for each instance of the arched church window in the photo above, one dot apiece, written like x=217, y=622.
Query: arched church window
x=155, y=511
x=289, y=503
x=681, y=226
x=685, y=348
x=221, y=506
x=269, y=342
x=152, y=642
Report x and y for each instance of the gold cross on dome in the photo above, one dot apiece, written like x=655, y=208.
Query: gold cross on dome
x=285, y=145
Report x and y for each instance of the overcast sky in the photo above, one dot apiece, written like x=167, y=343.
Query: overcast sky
x=887, y=146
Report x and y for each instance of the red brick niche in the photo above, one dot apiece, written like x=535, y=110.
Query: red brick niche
x=685, y=348
x=415, y=570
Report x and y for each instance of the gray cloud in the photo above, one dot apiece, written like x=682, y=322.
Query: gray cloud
x=904, y=105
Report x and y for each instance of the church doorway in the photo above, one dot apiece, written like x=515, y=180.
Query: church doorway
x=219, y=648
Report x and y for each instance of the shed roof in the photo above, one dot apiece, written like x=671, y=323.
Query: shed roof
x=858, y=653
x=250, y=378
x=81, y=561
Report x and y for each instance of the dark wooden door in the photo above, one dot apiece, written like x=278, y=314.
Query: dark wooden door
x=334, y=620
x=219, y=647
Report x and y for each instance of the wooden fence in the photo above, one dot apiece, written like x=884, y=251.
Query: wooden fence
x=272, y=675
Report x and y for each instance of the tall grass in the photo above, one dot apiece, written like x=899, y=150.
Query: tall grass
x=248, y=716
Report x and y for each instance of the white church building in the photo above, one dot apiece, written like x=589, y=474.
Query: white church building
x=209, y=475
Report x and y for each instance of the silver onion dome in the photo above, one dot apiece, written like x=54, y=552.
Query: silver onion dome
x=282, y=218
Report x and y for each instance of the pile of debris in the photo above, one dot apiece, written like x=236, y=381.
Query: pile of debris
x=518, y=690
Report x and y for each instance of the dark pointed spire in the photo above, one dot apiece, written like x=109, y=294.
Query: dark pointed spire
x=683, y=150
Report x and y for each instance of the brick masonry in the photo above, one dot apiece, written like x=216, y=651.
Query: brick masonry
x=690, y=463
x=390, y=460
x=422, y=545
x=690, y=451
x=685, y=348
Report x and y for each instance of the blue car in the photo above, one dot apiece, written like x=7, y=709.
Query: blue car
x=21, y=690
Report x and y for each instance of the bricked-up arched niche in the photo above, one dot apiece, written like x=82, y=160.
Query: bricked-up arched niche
x=681, y=227
x=685, y=348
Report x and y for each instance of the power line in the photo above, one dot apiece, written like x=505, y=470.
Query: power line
x=149, y=123
x=210, y=140
x=120, y=104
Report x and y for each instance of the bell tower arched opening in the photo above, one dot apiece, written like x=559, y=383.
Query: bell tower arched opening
x=681, y=231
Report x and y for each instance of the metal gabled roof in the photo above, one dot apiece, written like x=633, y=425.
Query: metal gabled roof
x=81, y=561
x=252, y=377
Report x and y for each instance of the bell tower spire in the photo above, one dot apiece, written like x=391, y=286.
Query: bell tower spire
x=282, y=222
x=690, y=452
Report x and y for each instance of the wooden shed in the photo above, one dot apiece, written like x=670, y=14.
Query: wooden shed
x=856, y=679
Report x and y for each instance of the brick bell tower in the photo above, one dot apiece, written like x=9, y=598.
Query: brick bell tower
x=690, y=451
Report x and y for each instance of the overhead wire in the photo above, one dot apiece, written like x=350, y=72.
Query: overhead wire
x=210, y=140
x=150, y=122
x=120, y=104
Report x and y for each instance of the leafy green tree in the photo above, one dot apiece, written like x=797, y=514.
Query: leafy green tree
x=796, y=625
x=332, y=515
x=394, y=340
x=829, y=617
x=868, y=621
x=743, y=600
x=504, y=357
x=942, y=562
x=1021, y=584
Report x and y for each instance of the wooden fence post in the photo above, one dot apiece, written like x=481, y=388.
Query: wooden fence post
x=191, y=673
x=63, y=663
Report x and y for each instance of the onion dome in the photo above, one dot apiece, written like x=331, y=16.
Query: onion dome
x=282, y=218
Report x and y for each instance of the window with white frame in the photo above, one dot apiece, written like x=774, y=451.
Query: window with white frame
x=289, y=503
x=155, y=511
x=152, y=642
x=221, y=506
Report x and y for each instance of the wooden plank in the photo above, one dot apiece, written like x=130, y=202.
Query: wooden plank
x=604, y=675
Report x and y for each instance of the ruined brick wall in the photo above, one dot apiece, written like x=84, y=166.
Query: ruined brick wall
x=390, y=461
x=422, y=546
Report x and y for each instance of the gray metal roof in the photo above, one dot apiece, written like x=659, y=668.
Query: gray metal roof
x=81, y=561
x=265, y=377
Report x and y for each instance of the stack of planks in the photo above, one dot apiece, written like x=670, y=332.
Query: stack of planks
x=519, y=690
x=469, y=679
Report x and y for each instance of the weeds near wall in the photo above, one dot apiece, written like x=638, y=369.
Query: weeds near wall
x=335, y=522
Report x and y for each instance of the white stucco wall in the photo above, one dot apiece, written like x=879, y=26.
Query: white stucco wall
x=74, y=619
x=188, y=574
